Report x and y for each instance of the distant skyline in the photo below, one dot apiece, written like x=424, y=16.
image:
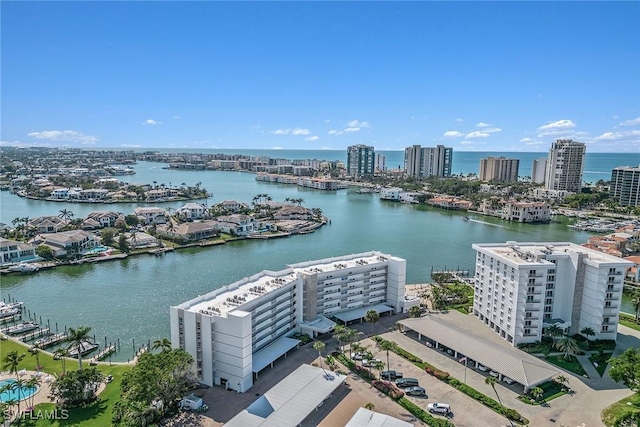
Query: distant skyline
x=475, y=76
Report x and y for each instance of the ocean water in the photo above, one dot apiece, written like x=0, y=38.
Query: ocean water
x=597, y=165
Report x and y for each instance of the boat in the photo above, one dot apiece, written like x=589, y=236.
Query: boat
x=465, y=218
x=23, y=327
x=84, y=347
x=8, y=312
x=24, y=268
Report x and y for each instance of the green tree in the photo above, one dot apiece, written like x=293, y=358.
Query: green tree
x=77, y=387
x=12, y=361
x=415, y=311
x=35, y=352
x=164, y=376
x=131, y=220
x=319, y=346
x=492, y=382
x=123, y=244
x=536, y=392
x=588, y=332
x=562, y=380
x=626, y=368
x=107, y=236
x=66, y=215
x=62, y=353
x=386, y=346
x=568, y=346
x=78, y=337
x=164, y=344
x=635, y=302
x=339, y=333
x=370, y=406
x=44, y=252
x=371, y=317
x=554, y=332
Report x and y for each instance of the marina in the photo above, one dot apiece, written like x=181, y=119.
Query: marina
x=51, y=340
x=20, y=328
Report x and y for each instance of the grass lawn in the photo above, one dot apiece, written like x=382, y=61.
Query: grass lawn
x=601, y=361
x=551, y=391
x=571, y=364
x=629, y=323
x=97, y=414
x=618, y=409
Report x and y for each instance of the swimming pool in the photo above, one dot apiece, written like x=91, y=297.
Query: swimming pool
x=8, y=395
x=96, y=250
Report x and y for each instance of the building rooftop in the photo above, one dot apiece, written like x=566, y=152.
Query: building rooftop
x=366, y=418
x=535, y=252
x=339, y=263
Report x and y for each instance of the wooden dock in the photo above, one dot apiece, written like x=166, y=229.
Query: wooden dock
x=51, y=340
x=9, y=319
x=33, y=335
x=104, y=353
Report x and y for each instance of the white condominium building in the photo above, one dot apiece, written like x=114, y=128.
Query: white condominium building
x=625, y=185
x=423, y=162
x=565, y=165
x=236, y=331
x=522, y=287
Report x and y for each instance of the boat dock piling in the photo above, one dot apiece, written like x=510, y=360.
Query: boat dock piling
x=51, y=340
x=32, y=335
x=104, y=353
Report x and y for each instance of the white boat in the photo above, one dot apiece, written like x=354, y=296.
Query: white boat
x=24, y=268
x=8, y=312
x=85, y=347
x=23, y=327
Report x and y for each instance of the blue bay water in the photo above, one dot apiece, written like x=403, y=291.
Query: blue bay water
x=129, y=300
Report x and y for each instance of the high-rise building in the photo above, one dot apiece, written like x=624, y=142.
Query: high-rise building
x=625, y=185
x=360, y=160
x=521, y=288
x=565, y=165
x=423, y=162
x=499, y=169
x=538, y=170
x=237, y=330
x=381, y=162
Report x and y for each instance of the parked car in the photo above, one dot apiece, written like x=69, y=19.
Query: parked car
x=407, y=382
x=358, y=356
x=482, y=368
x=371, y=362
x=415, y=391
x=428, y=344
x=390, y=375
x=508, y=380
x=493, y=373
x=438, y=408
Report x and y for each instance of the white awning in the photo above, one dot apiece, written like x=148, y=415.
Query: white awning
x=358, y=313
x=265, y=356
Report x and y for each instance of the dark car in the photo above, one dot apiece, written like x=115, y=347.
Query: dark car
x=390, y=375
x=415, y=391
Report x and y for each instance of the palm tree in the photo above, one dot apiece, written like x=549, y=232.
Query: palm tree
x=62, y=353
x=386, y=345
x=561, y=379
x=568, y=346
x=536, y=392
x=164, y=344
x=319, y=346
x=17, y=387
x=350, y=335
x=415, y=311
x=66, y=215
x=554, y=331
x=379, y=366
x=492, y=382
x=339, y=333
x=635, y=302
x=371, y=316
x=588, y=332
x=12, y=361
x=11, y=402
x=35, y=352
x=33, y=382
x=77, y=337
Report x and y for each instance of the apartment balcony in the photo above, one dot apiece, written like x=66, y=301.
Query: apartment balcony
x=615, y=273
x=613, y=290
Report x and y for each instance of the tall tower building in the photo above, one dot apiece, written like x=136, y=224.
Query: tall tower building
x=565, y=165
x=381, y=162
x=538, y=170
x=499, y=169
x=423, y=162
x=360, y=160
x=625, y=185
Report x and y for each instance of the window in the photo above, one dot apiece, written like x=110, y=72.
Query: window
x=549, y=293
x=547, y=316
x=551, y=278
x=531, y=290
x=527, y=331
x=607, y=304
x=609, y=295
x=530, y=298
x=605, y=328
x=527, y=323
x=548, y=309
x=548, y=301
x=549, y=285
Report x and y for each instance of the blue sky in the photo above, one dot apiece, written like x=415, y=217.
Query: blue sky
x=476, y=76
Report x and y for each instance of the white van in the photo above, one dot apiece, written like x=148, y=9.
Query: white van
x=438, y=408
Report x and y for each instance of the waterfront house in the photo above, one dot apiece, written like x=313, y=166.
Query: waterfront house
x=236, y=224
x=66, y=243
x=105, y=218
x=151, y=215
x=451, y=203
x=192, y=211
x=12, y=251
x=293, y=213
x=140, y=240
x=47, y=224
x=190, y=231
x=231, y=206
x=393, y=194
x=526, y=212
x=60, y=193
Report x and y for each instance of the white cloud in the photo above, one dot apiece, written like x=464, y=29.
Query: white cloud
x=477, y=134
x=459, y=120
x=466, y=142
x=335, y=132
x=276, y=148
x=151, y=122
x=531, y=141
x=131, y=145
x=631, y=135
x=12, y=144
x=483, y=125
x=357, y=124
x=632, y=122
x=352, y=129
x=176, y=117
x=560, y=124
x=312, y=138
x=327, y=121
x=453, y=134
x=281, y=131
x=299, y=131
x=491, y=130
x=64, y=135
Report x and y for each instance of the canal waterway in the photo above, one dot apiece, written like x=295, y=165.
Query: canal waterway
x=130, y=299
